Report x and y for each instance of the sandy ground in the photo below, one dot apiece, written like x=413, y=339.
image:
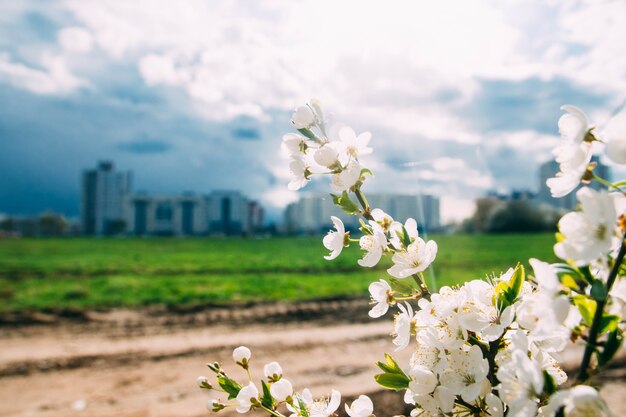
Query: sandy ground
x=145, y=363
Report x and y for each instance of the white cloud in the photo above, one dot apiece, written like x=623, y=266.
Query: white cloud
x=279, y=196
x=75, y=39
x=159, y=69
x=53, y=78
x=455, y=209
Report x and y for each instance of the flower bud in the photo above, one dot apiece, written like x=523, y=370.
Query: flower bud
x=215, y=367
x=303, y=117
x=273, y=371
x=281, y=390
x=241, y=356
x=327, y=156
x=203, y=382
x=214, y=405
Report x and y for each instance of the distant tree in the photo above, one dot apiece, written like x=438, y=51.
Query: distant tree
x=51, y=224
x=480, y=218
x=515, y=216
x=8, y=225
x=496, y=216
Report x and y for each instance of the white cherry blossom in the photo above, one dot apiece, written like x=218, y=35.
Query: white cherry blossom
x=245, y=397
x=241, y=354
x=588, y=234
x=355, y=145
x=437, y=404
x=281, y=390
x=615, y=134
x=416, y=258
x=573, y=125
x=423, y=380
x=495, y=408
x=273, y=371
x=578, y=401
x=466, y=374
x=395, y=232
x=347, y=178
x=327, y=155
x=300, y=174
x=294, y=145
x=430, y=351
x=521, y=382
x=383, y=219
x=573, y=155
x=381, y=294
x=573, y=161
x=320, y=408
x=404, y=325
x=373, y=245
x=303, y=118
x=361, y=407
x=334, y=241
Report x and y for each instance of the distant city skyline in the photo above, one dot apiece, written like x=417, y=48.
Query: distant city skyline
x=461, y=98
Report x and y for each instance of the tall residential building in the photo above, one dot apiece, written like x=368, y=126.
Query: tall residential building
x=311, y=214
x=550, y=168
x=219, y=213
x=102, y=197
x=164, y=215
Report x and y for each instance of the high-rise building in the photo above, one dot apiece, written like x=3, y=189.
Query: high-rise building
x=311, y=214
x=219, y=213
x=550, y=168
x=102, y=197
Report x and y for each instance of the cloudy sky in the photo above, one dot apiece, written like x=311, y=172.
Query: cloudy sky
x=461, y=97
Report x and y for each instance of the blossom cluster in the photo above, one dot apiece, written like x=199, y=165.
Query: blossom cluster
x=488, y=347
x=273, y=392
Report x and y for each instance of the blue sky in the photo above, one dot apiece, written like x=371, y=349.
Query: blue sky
x=461, y=97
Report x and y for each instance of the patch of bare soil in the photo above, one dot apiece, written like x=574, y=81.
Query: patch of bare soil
x=144, y=363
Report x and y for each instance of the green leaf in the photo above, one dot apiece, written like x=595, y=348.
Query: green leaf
x=518, y=278
x=231, y=387
x=598, y=290
x=506, y=293
x=365, y=228
x=612, y=345
x=393, y=377
x=406, y=239
x=304, y=412
x=344, y=202
x=267, y=401
x=366, y=171
x=562, y=268
x=549, y=385
x=309, y=134
x=404, y=286
x=570, y=282
x=608, y=323
x=586, y=274
x=390, y=366
x=394, y=382
x=586, y=307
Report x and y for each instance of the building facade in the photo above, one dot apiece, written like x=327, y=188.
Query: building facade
x=219, y=213
x=103, y=191
x=311, y=214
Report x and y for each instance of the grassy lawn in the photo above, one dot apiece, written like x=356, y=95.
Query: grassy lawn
x=49, y=274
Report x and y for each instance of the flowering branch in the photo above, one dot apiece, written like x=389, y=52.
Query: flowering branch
x=592, y=342
x=486, y=347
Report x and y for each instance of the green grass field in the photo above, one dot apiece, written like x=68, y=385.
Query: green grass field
x=54, y=274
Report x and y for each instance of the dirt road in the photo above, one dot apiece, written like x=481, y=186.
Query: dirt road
x=145, y=363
